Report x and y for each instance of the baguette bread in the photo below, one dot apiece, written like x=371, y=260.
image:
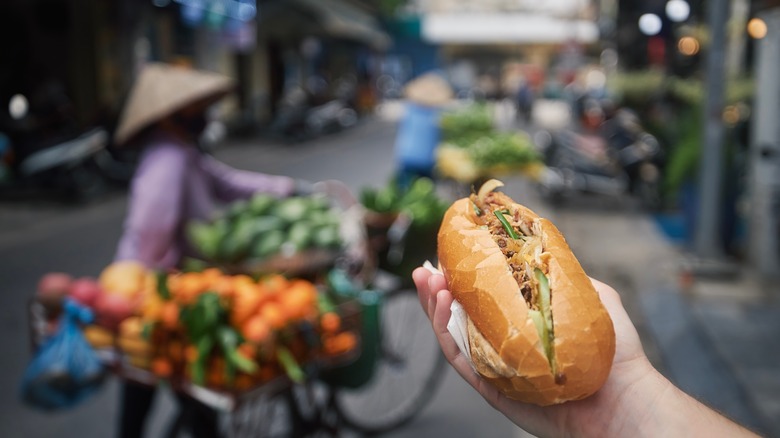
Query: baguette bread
x=501, y=286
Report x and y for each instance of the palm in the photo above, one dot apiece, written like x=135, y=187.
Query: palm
x=595, y=411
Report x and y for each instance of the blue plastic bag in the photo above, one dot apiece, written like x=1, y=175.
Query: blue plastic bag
x=65, y=370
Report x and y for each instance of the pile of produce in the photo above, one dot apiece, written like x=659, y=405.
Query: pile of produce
x=419, y=201
x=263, y=227
x=466, y=125
x=209, y=328
x=402, y=224
x=471, y=149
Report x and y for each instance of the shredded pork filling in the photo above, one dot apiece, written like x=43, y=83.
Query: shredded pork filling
x=521, y=254
x=523, y=251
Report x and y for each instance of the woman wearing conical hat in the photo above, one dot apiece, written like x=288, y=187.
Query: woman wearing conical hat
x=175, y=182
x=418, y=130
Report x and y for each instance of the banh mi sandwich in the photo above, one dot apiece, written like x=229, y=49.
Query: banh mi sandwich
x=537, y=329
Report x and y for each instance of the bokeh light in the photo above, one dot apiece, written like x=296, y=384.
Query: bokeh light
x=18, y=106
x=731, y=115
x=678, y=10
x=688, y=45
x=650, y=24
x=756, y=28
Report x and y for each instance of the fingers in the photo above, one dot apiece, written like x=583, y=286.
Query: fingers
x=420, y=277
x=441, y=316
x=428, y=285
x=609, y=297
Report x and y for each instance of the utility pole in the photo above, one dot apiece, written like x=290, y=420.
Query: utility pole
x=764, y=234
x=708, y=241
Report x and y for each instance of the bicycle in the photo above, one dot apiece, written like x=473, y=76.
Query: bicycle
x=395, y=375
x=379, y=386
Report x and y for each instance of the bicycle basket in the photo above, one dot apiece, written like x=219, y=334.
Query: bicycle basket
x=359, y=372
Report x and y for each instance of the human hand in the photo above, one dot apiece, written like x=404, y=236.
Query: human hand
x=598, y=415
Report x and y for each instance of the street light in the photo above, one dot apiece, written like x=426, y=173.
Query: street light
x=650, y=24
x=678, y=10
x=688, y=45
x=756, y=28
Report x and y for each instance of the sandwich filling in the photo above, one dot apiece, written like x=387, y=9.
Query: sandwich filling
x=521, y=243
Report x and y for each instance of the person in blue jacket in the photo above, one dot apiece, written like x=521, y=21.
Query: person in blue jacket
x=418, y=130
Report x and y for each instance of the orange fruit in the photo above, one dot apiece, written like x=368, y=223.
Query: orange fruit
x=256, y=329
x=169, y=315
x=330, y=322
x=162, y=367
x=272, y=313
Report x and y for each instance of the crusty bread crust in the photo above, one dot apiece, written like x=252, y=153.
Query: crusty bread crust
x=502, y=336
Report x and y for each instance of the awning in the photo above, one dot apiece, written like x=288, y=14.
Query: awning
x=324, y=18
x=530, y=28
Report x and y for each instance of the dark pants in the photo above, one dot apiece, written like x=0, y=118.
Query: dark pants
x=136, y=402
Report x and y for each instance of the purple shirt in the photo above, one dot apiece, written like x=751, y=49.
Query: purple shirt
x=175, y=183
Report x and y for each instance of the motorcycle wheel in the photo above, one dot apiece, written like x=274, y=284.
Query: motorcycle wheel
x=85, y=182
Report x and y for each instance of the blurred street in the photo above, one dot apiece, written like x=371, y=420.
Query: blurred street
x=714, y=341
x=646, y=131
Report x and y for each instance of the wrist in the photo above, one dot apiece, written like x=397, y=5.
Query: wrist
x=656, y=407
x=644, y=403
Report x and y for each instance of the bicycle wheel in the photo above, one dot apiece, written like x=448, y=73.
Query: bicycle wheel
x=262, y=414
x=407, y=373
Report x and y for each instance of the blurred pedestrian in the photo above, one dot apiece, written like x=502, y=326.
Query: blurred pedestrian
x=419, y=132
x=524, y=100
x=176, y=182
x=636, y=400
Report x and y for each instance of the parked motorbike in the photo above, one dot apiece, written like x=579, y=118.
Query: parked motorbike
x=300, y=120
x=619, y=158
x=41, y=156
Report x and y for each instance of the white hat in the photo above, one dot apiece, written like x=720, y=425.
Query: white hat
x=161, y=90
x=429, y=89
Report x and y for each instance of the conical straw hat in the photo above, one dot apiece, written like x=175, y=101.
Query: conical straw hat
x=429, y=89
x=161, y=90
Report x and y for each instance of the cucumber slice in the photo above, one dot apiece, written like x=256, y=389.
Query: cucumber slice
x=544, y=297
x=541, y=328
x=543, y=317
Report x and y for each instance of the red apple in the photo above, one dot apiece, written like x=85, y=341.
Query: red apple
x=54, y=283
x=85, y=291
x=52, y=288
x=112, y=309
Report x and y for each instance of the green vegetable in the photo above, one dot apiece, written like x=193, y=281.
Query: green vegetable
x=236, y=245
x=162, y=286
x=229, y=340
x=546, y=317
x=263, y=224
x=290, y=365
x=237, y=209
x=204, y=346
x=544, y=297
x=478, y=211
x=465, y=126
x=261, y=204
x=327, y=236
x=318, y=202
x=207, y=237
x=268, y=244
x=541, y=329
x=503, y=149
x=292, y=209
x=505, y=223
x=300, y=235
